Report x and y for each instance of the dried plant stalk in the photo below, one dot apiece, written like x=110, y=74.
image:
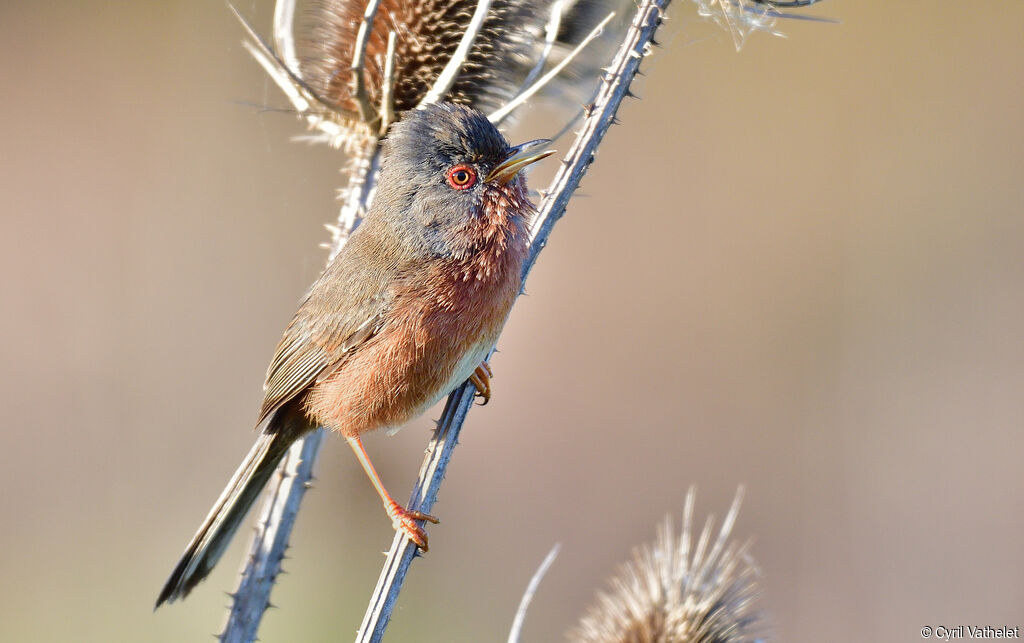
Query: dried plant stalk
x=516, y=631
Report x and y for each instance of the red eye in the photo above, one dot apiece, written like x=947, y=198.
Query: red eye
x=461, y=177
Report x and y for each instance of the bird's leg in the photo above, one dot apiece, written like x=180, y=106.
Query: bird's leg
x=481, y=379
x=403, y=519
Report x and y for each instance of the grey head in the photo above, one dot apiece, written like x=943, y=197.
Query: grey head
x=441, y=166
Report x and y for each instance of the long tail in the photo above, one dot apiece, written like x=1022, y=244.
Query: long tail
x=234, y=503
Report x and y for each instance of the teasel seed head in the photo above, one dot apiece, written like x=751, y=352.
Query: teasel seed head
x=677, y=590
x=427, y=34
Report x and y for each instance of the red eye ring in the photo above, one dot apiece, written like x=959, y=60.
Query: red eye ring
x=461, y=177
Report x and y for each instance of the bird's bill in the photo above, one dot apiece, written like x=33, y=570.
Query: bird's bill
x=519, y=157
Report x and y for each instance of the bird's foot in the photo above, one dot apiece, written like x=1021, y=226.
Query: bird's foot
x=404, y=520
x=481, y=379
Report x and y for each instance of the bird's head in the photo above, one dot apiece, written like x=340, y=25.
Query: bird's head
x=446, y=170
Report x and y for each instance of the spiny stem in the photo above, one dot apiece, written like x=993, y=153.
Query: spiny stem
x=616, y=81
x=273, y=529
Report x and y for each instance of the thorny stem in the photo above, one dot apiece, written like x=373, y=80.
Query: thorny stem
x=614, y=87
x=289, y=484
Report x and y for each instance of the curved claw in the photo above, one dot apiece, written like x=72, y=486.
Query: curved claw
x=481, y=379
x=404, y=520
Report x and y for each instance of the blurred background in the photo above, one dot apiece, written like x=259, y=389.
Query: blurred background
x=799, y=268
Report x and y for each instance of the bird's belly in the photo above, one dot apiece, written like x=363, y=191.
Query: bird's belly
x=460, y=373
x=409, y=366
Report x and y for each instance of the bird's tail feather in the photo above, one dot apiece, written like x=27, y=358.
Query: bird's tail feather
x=228, y=512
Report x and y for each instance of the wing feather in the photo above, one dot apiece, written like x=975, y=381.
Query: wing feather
x=343, y=310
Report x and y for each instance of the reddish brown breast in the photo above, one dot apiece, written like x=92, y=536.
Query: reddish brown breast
x=445, y=318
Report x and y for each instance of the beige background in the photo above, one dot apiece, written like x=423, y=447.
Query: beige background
x=798, y=268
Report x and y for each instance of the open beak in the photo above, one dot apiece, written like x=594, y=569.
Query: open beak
x=519, y=157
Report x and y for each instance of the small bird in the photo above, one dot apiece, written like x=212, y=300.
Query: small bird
x=407, y=311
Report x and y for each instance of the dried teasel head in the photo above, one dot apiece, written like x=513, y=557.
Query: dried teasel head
x=427, y=33
x=352, y=67
x=678, y=590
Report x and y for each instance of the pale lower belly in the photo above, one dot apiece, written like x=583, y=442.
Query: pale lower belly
x=463, y=369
